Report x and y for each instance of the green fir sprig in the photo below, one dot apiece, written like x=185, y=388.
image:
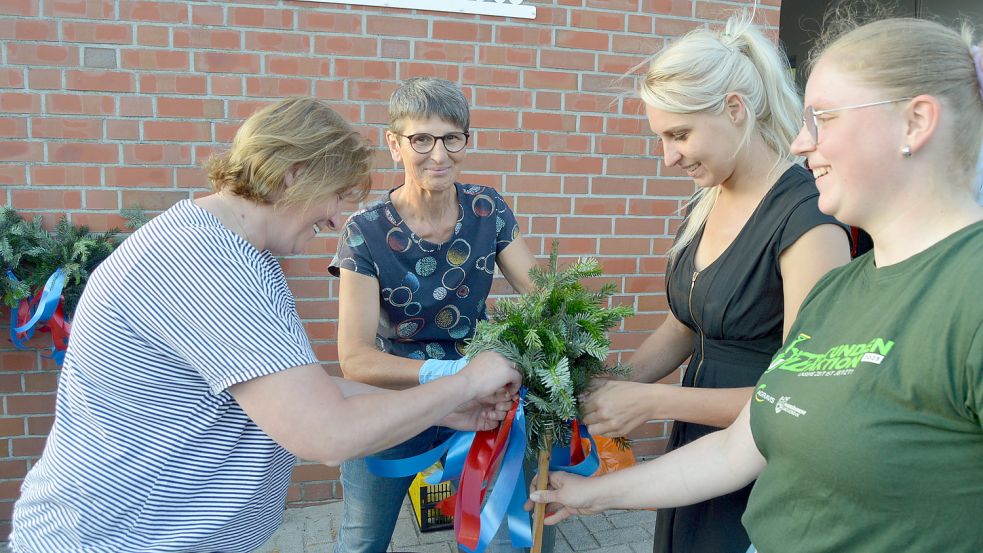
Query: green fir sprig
x=32, y=254
x=557, y=336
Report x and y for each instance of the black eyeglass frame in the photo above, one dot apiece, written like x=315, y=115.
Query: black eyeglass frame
x=410, y=137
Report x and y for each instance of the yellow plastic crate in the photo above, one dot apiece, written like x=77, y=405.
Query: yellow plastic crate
x=425, y=497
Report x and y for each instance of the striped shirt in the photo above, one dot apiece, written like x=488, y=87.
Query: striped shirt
x=149, y=451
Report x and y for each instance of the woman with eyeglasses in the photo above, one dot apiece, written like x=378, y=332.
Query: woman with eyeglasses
x=865, y=433
x=752, y=245
x=416, y=269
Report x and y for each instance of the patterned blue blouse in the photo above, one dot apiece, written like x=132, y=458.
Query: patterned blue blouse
x=432, y=295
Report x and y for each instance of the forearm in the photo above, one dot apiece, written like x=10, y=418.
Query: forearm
x=659, y=355
x=717, y=407
x=709, y=467
x=370, y=366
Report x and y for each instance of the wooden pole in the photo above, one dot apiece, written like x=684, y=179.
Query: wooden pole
x=542, y=482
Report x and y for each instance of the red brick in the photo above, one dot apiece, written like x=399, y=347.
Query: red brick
x=13, y=468
x=277, y=42
x=336, y=45
x=226, y=85
x=18, y=361
x=682, y=8
x=11, y=77
x=156, y=200
x=100, y=33
x=669, y=187
x=11, y=426
x=500, y=140
x=190, y=107
x=371, y=90
x=598, y=205
x=207, y=15
x=506, y=55
x=503, y=97
x=66, y=175
x=396, y=26
x=582, y=40
x=154, y=35
x=551, y=80
x=524, y=35
x=30, y=29
x=40, y=426
x=143, y=177
x=19, y=7
x=531, y=163
x=593, y=124
x=389, y=48
x=597, y=20
x=41, y=382
x=29, y=404
x=644, y=24
x=27, y=447
x=102, y=199
x=298, y=65
x=643, y=226
x=654, y=207
x=441, y=51
x=461, y=31
x=632, y=166
x=152, y=83
x=103, y=81
x=548, y=121
x=552, y=101
x=220, y=39
x=190, y=177
x=19, y=150
x=543, y=205
x=311, y=20
x=45, y=79
x=643, y=46
x=243, y=109
x=158, y=60
x=577, y=164
x=136, y=106
x=361, y=69
x=90, y=9
x=11, y=127
x=576, y=184
x=45, y=199
x=490, y=76
x=549, y=142
x=277, y=87
x=42, y=54
x=11, y=175
x=157, y=154
x=171, y=12
x=448, y=71
x=226, y=62
x=61, y=127
x=674, y=27
x=177, y=131
x=627, y=125
x=261, y=17
x=329, y=90
x=592, y=226
x=88, y=152
x=99, y=222
x=618, y=145
x=564, y=59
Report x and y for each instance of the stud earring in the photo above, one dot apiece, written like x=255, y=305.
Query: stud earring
x=906, y=151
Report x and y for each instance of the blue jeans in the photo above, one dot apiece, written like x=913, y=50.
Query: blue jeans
x=372, y=503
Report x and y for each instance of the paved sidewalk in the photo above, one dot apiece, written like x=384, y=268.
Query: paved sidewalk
x=315, y=530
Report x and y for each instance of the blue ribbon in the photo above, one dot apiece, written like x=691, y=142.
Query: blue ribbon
x=560, y=457
x=50, y=297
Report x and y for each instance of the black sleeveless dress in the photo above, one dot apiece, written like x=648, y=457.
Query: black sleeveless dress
x=735, y=307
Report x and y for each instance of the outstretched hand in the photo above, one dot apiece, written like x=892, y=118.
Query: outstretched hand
x=614, y=408
x=566, y=495
x=483, y=413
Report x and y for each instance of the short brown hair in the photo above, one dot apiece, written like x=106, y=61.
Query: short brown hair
x=300, y=131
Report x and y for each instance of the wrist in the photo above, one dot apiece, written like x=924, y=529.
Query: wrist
x=433, y=369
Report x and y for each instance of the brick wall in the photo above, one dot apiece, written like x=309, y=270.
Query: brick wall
x=111, y=104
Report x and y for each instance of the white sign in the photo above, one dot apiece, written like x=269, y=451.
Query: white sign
x=503, y=8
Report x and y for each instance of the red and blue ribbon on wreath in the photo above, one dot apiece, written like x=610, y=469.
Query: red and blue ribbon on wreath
x=492, y=485
x=44, y=312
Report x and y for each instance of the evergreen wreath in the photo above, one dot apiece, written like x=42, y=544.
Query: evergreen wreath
x=31, y=254
x=557, y=337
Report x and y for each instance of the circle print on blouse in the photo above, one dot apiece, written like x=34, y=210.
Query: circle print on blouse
x=458, y=252
x=482, y=205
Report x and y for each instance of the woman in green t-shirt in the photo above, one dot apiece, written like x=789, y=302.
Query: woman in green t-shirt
x=865, y=431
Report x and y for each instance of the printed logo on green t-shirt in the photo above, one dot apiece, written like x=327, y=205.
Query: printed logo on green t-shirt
x=838, y=360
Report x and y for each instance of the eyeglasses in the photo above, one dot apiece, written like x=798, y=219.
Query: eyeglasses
x=811, y=117
x=423, y=143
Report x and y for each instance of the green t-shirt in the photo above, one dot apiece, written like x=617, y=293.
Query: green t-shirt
x=869, y=416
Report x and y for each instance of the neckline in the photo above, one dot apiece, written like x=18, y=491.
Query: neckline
x=903, y=267
x=698, y=238
x=400, y=220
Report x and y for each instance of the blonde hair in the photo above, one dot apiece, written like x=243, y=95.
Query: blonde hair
x=906, y=57
x=294, y=132
x=695, y=74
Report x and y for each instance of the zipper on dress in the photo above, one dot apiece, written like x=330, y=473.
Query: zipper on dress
x=692, y=286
